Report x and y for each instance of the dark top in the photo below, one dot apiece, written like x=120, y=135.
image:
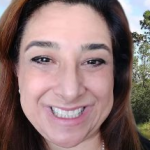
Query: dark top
x=145, y=143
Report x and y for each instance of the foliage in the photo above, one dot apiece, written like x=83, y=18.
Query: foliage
x=141, y=72
x=145, y=129
x=144, y=126
x=145, y=25
x=141, y=102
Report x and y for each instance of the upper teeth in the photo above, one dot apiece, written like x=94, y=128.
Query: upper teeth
x=67, y=114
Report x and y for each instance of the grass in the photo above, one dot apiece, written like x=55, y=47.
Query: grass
x=145, y=129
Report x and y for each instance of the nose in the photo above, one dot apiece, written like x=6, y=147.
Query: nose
x=70, y=84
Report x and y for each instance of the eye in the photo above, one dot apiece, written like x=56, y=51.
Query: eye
x=95, y=62
x=41, y=59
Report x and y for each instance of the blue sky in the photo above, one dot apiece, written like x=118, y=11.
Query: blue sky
x=134, y=10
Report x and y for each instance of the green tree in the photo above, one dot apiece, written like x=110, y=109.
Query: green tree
x=145, y=26
x=141, y=71
x=141, y=102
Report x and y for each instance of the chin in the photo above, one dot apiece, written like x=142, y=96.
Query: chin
x=66, y=143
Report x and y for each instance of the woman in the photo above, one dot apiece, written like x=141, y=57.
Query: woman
x=66, y=76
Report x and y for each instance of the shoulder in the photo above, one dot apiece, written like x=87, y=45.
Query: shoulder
x=145, y=143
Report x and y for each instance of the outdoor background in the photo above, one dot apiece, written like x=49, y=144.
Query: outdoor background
x=138, y=14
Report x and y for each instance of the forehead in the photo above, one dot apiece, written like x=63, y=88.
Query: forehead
x=70, y=22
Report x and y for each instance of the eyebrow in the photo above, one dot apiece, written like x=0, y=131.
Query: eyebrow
x=42, y=44
x=95, y=46
x=55, y=45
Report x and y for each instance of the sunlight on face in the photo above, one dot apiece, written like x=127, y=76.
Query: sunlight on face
x=65, y=73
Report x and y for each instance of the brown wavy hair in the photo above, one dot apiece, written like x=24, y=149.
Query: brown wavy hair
x=16, y=132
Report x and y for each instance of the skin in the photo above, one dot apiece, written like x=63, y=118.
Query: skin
x=67, y=79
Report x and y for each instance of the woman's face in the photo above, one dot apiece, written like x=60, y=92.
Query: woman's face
x=65, y=73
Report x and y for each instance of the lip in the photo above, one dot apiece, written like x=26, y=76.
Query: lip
x=68, y=121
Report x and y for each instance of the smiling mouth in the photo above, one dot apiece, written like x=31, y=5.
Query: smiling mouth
x=67, y=114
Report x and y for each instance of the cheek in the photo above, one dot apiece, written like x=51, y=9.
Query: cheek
x=33, y=86
x=103, y=91
x=36, y=82
x=101, y=84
